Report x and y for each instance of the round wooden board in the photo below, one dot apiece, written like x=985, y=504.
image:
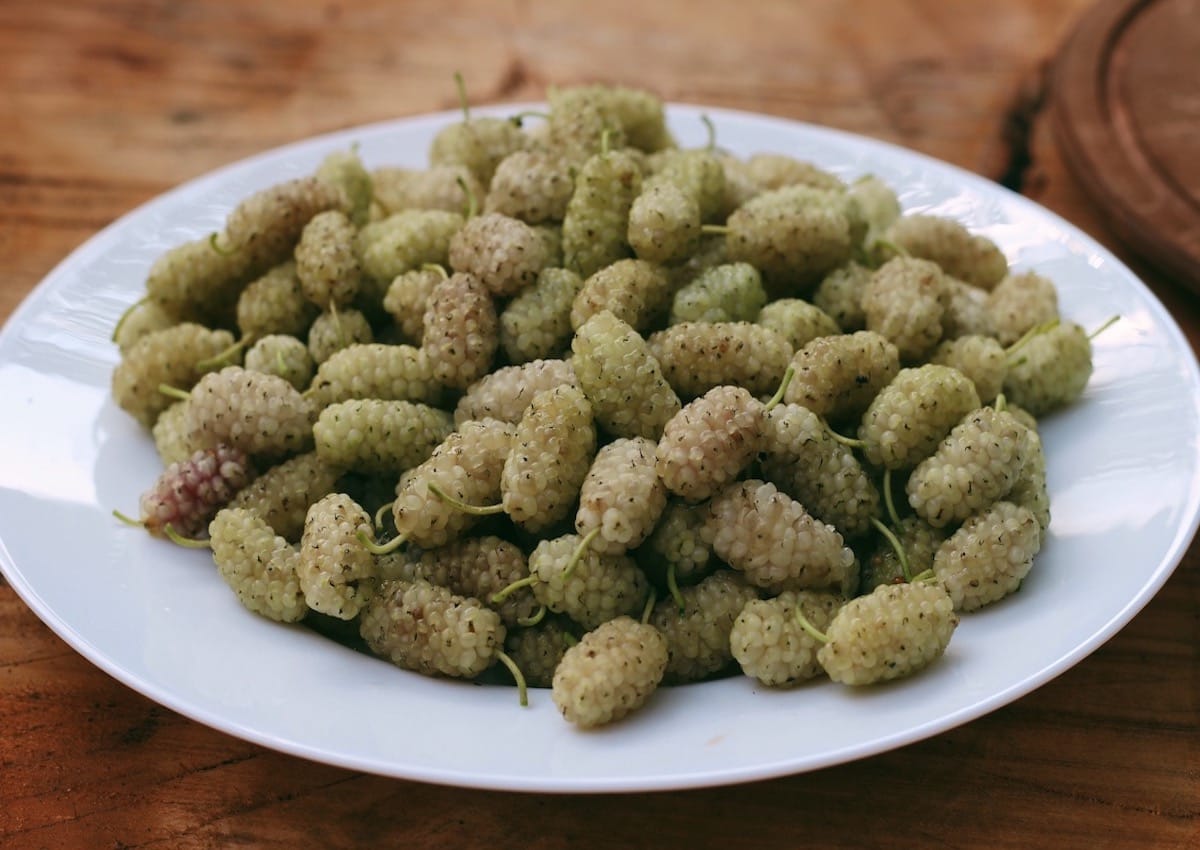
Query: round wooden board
x=1126, y=111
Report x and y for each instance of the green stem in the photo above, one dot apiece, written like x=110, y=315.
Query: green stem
x=437, y=267
x=783, y=385
x=121, y=321
x=809, y=629
x=177, y=538
x=844, y=440
x=472, y=201
x=711, y=129
x=505, y=592
x=518, y=676
x=222, y=357
x=382, y=510
x=888, y=500
x=714, y=229
x=473, y=510
x=174, y=392
x=533, y=619
x=1107, y=324
x=377, y=548
x=128, y=520
x=577, y=556
x=673, y=588
x=897, y=547
x=1028, y=335
x=214, y=243
x=889, y=245
x=648, y=608
x=461, y=86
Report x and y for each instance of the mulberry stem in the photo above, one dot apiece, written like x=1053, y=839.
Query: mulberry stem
x=174, y=392
x=505, y=592
x=474, y=510
x=809, y=629
x=783, y=385
x=128, y=310
x=577, y=556
x=888, y=500
x=377, y=548
x=178, y=539
x=517, y=675
x=673, y=588
x=897, y=547
x=533, y=619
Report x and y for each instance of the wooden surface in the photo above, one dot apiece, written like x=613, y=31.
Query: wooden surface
x=106, y=103
x=1125, y=114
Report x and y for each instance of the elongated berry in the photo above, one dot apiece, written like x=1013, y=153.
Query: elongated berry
x=267, y=225
x=596, y=220
x=377, y=370
x=1050, y=370
x=505, y=393
x=282, y=355
x=802, y=459
x=793, y=235
x=428, y=629
x=709, y=442
x=379, y=436
x=977, y=463
x=281, y=496
x=537, y=650
x=504, y=253
x=532, y=185
x=622, y=495
x=275, y=304
x=589, y=587
x=405, y=241
x=980, y=358
x=326, y=263
x=838, y=376
x=635, y=291
x=258, y=564
x=775, y=542
x=174, y=356
x=1021, y=302
x=536, y=324
x=612, y=671
x=676, y=547
x=188, y=494
x=989, y=556
x=905, y=301
x=467, y=466
x=461, y=332
x=797, y=321
x=258, y=413
x=839, y=295
x=552, y=450
x=478, y=143
x=895, y=631
x=911, y=415
x=698, y=356
x=698, y=633
x=336, y=572
x=335, y=330
x=961, y=254
x=730, y=292
x=621, y=378
x=479, y=567
x=407, y=297
x=768, y=642
x=448, y=188
x=344, y=170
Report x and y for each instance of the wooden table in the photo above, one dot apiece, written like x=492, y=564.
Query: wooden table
x=106, y=104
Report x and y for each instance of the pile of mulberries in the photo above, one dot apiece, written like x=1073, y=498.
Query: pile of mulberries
x=577, y=407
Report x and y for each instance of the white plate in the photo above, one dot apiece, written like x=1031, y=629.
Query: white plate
x=1122, y=472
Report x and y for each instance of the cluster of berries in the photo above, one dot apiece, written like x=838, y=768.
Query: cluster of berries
x=580, y=407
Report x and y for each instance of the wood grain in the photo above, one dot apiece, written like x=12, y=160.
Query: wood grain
x=109, y=102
